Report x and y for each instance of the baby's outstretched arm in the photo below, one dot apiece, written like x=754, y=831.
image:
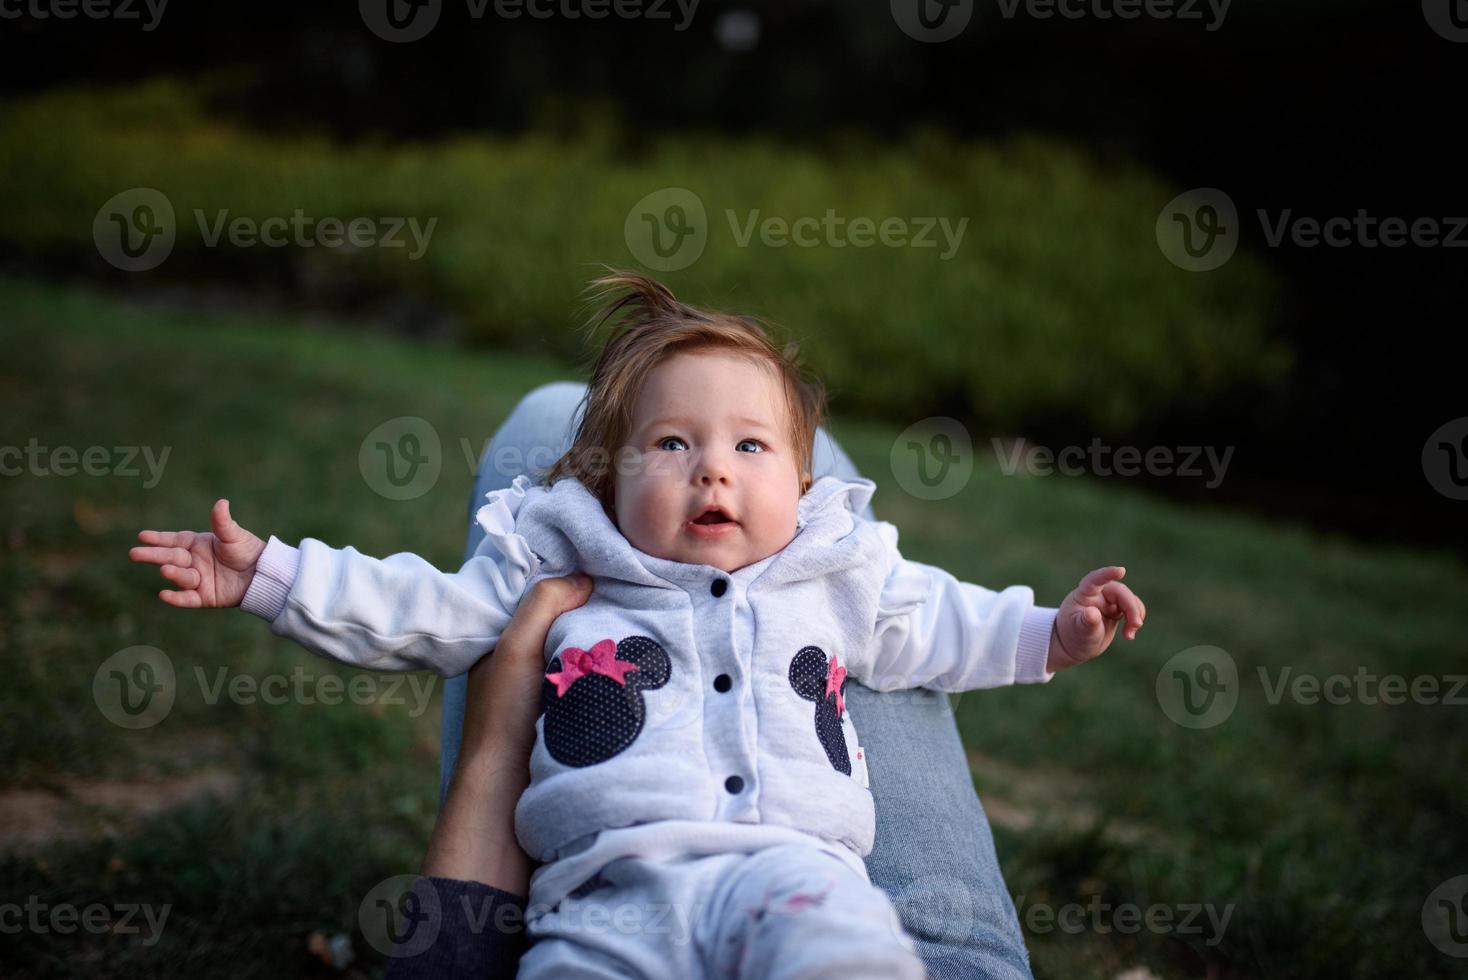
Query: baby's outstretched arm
x=212, y=569
x=1089, y=617
x=393, y=613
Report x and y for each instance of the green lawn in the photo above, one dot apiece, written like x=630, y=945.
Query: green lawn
x=1325, y=827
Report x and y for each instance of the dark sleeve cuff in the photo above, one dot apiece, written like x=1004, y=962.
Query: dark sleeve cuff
x=480, y=933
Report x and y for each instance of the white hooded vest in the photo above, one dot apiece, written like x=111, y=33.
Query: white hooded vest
x=678, y=692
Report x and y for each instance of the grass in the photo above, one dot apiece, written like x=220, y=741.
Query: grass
x=1324, y=827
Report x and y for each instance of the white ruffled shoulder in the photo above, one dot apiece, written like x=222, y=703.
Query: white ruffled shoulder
x=907, y=585
x=497, y=517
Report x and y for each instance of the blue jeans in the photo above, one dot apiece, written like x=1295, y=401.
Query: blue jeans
x=934, y=854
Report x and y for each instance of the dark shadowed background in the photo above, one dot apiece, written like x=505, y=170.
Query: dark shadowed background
x=1171, y=284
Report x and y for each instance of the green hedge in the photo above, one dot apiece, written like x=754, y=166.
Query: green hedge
x=1058, y=306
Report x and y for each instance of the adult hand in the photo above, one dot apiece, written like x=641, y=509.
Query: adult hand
x=475, y=836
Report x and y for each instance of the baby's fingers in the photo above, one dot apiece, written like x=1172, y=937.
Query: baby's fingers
x=162, y=556
x=187, y=578
x=167, y=539
x=1125, y=602
x=182, y=600
x=1090, y=586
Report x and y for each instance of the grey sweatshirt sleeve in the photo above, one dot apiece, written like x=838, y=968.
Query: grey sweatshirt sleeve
x=938, y=632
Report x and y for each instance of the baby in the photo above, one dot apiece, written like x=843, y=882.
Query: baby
x=696, y=774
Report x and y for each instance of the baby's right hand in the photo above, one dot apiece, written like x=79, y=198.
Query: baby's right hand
x=213, y=570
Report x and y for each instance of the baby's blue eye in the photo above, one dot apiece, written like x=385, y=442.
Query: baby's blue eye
x=751, y=442
x=663, y=442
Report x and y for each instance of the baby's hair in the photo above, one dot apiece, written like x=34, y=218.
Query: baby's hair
x=649, y=325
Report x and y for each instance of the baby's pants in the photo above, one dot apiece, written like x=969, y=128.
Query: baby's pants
x=785, y=911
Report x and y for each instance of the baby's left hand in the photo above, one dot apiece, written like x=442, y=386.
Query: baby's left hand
x=1089, y=616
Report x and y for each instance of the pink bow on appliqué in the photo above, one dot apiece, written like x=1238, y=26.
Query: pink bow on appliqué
x=835, y=677
x=600, y=659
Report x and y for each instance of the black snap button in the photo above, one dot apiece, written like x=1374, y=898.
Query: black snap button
x=719, y=587
x=734, y=784
x=723, y=682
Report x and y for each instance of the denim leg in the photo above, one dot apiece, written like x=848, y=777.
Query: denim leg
x=535, y=435
x=934, y=853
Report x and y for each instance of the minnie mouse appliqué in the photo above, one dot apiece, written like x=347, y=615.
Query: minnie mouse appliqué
x=816, y=680
x=592, y=699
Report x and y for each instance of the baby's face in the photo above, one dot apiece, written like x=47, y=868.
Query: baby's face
x=709, y=429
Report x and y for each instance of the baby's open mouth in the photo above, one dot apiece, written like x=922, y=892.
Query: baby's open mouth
x=713, y=517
